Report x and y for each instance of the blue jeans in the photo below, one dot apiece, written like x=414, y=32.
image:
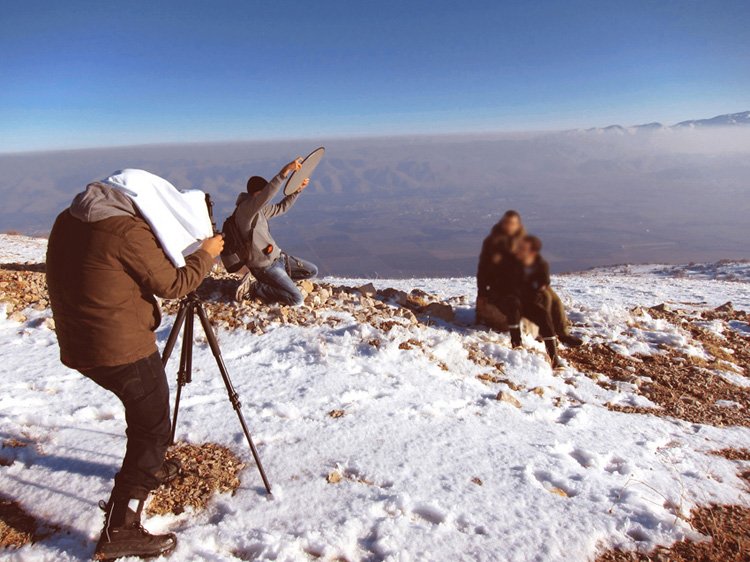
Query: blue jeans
x=275, y=283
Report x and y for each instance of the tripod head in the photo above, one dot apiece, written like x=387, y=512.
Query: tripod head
x=210, y=207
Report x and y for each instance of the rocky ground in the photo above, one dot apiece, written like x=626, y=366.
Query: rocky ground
x=698, y=383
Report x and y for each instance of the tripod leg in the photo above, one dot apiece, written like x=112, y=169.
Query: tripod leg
x=233, y=396
x=184, y=374
x=172, y=339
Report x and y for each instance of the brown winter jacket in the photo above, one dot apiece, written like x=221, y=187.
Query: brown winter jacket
x=102, y=277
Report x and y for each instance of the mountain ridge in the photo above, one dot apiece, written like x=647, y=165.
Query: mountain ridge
x=738, y=119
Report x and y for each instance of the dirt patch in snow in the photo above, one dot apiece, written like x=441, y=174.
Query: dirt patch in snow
x=17, y=527
x=23, y=286
x=730, y=346
x=684, y=386
x=207, y=469
x=727, y=527
x=733, y=454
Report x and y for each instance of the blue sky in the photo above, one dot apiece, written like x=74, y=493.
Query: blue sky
x=80, y=74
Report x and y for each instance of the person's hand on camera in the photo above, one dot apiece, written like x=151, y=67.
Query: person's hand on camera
x=303, y=185
x=213, y=245
x=293, y=166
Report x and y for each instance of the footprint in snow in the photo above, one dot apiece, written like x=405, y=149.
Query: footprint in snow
x=618, y=465
x=430, y=513
x=568, y=415
x=584, y=458
x=554, y=485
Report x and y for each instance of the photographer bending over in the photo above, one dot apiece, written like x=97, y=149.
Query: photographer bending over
x=273, y=270
x=105, y=266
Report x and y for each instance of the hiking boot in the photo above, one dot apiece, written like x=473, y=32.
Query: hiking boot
x=124, y=536
x=515, y=337
x=246, y=288
x=169, y=470
x=570, y=341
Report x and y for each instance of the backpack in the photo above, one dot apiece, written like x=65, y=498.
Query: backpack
x=236, y=251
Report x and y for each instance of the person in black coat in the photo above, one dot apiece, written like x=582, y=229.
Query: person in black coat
x=494, y=261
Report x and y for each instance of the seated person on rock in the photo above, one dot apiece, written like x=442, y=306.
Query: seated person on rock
x=497, y=252
x=521, y=295
x=272, y=273
x=497, y=248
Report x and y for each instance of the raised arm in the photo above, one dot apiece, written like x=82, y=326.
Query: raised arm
x=253, y=204
x=281, y=207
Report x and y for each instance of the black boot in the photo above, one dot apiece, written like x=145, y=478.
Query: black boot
x=515, y=336
x=551, y=345
x=570, y=341
x=123, y=534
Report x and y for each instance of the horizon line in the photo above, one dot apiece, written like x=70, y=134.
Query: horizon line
x=347, y=136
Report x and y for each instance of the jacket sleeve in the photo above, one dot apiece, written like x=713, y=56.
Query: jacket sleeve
x=281, y=207
x=543, y=276
x=546, y=279
x=483, y=279
x=144, y=259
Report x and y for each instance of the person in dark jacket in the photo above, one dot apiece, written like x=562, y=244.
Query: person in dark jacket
x=520, y=295
x=272, y=273
x=496, y=256
x=105, y=267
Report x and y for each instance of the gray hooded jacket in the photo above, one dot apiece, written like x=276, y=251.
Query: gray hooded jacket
x=251, y=216
x=99, y=201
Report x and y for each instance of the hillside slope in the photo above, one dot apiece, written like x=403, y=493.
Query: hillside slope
x=380, y=426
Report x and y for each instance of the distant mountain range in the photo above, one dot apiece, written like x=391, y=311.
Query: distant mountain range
x=727, y=120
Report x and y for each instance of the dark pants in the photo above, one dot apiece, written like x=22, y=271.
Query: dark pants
x=142, y=387
x=275, y=283
x=516, y=308
x=552, y=302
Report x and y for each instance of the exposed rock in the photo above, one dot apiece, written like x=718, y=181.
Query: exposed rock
x=18, y=317
x=334, y=477
x=368, y=290
x=508, y=398
x=439, y=310
x=395, y=296
x=307, y=286
x=727, y=307
x=528, y=327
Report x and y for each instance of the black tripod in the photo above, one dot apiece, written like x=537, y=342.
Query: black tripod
x=189, y=307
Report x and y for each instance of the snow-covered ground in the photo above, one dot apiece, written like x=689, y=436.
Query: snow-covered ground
x=434, y=467
x=21, y=249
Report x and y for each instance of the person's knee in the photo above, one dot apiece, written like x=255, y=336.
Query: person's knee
x=292, y=298
x=545, y=299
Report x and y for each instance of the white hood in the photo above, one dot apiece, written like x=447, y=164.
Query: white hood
x=179, y=219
